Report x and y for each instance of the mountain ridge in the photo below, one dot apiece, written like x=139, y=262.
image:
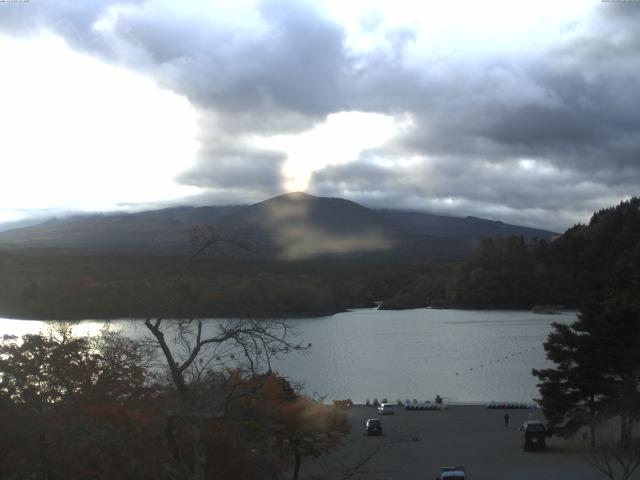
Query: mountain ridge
x=290, y=226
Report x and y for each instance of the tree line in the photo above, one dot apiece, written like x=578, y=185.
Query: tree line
x=595, y=377
x=49, y=285
x=517, y=273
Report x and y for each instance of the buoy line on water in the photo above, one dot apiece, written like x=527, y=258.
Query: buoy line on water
x=501, y=359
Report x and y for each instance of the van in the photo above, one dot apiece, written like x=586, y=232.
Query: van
x=533, y=435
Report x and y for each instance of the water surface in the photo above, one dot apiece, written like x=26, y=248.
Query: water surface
x=462, y=355
x=465, y=356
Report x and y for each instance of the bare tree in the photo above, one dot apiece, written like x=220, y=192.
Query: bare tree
x=198, y=354
x=615, y=460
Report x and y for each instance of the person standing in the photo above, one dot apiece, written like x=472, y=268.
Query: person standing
x=506, y=419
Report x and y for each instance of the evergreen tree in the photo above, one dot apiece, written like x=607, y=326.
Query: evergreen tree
x=618, y=329
x=574, y=391
x=597, y=372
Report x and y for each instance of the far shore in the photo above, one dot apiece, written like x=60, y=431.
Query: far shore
x=286, y=316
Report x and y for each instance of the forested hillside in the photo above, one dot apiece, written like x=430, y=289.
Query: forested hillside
x=518, y=273
x=41, y=285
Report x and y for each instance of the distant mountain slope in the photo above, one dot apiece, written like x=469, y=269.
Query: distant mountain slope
x=298, y=225
x=449, y=238
x=164, y=229
x=13, y=225
x=291, y=226
x=420, y=223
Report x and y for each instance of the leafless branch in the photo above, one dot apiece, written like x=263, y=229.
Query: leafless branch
x=613, y=459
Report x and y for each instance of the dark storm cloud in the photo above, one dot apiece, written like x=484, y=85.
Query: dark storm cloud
x=237, y=169
x=530, y=110
x=282, y=74
x=593, y=122
x=508, y=192
x=569, y=107
x=227, y=163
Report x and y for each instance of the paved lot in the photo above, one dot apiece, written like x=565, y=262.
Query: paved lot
x=416, y=444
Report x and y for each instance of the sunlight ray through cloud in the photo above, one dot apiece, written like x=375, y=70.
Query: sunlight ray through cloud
x=343, y=137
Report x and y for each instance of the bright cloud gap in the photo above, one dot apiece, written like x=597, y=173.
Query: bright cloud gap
x=80, y=135
x=343, y=137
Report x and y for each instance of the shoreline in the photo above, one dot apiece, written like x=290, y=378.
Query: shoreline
x=284, y=316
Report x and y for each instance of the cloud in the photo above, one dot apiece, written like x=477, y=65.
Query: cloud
x=543, y=138
x=229, y=167
x=523, y=192
x=267, y=66
x=532, y=120
x=237, y=170
x=271, y=67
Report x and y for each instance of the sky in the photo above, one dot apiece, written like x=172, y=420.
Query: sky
x=525, y=112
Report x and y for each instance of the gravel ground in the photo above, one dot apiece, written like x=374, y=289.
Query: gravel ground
x=415, y=444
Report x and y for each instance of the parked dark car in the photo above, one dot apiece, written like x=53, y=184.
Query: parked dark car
x=533, y=435
x=373, y=427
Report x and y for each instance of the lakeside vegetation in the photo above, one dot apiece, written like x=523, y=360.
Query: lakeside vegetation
x=41, y=285
x=109, y=407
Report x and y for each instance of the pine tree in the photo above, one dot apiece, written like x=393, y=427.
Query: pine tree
x=572, y=393
x=597, y=372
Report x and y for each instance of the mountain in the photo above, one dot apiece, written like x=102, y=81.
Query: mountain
x=158, y=230
x=299, y=225
x=290, y=226
x=12, y=225
x=449, y=238
x=419, y=223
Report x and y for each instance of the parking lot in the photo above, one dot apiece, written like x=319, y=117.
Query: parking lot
x=415, y=444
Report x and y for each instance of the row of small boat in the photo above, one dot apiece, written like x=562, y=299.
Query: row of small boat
x=423, y=406
x=511, y=405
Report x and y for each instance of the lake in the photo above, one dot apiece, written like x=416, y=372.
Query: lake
x=462, y=355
